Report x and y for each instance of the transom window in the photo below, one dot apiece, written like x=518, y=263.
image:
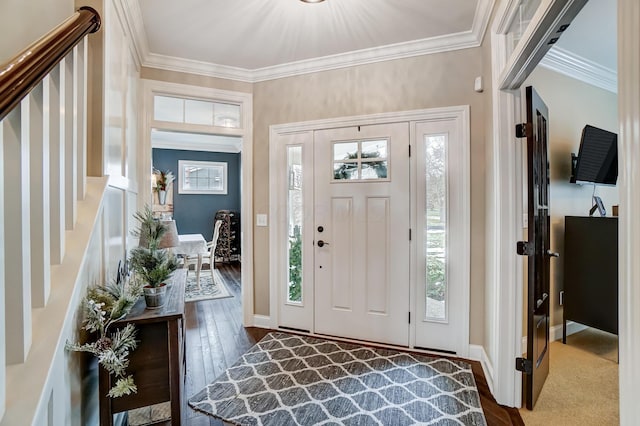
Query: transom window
x=193, y=111
x=202, y=177
x=361, y=160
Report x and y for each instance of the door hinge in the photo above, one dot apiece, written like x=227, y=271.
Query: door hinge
x=525, y=248
x=409, y=234
x=409, y=150
x=522, y=130
x=409, y=317
x=524, y=365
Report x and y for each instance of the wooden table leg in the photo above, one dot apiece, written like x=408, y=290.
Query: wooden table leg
x=175, y=384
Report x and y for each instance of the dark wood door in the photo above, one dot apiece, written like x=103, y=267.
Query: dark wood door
x=538, y=249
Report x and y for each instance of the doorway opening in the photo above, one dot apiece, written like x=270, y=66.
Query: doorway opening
x=203, y=137
x=515, y=67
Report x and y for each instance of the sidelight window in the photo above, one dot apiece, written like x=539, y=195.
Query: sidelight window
x=435, y=231
x=295, y=221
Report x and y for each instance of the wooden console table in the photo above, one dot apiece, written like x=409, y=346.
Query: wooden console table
x=157, y=363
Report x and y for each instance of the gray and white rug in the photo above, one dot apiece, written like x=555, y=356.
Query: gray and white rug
x=211, y=286
x=298, y=380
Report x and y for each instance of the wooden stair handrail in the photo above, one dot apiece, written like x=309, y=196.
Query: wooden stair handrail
x=28, y=68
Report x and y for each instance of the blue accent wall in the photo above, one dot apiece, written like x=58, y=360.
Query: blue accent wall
x=194, y=213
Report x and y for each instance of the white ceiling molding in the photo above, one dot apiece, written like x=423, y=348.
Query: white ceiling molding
x=450, y=42
x=173, y=63
x=572, y=65
x=131, y=18
x=481, y=19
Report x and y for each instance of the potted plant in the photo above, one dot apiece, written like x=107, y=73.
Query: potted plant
x=163, y=180
x=102, y=307
x=151, y=264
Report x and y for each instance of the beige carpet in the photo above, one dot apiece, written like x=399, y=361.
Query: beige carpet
x=582, y=387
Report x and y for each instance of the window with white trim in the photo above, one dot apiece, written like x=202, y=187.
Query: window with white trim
x=202, y=177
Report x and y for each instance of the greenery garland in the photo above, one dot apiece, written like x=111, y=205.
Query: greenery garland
x=102, y=307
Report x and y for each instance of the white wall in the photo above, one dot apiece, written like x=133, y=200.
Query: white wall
x=572, y=105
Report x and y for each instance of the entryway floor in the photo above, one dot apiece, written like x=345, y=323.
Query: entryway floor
x=582, y=387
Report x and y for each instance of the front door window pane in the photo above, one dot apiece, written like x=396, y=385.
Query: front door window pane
x=360, y=160
x=436, y=226
x=294, y=201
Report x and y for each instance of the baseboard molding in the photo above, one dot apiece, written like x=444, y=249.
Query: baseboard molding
x=477, y=353
x=555, y=332
x=262, y=321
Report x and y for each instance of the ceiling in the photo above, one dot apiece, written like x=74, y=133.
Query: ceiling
x=253, y=40
x=587, y=50
x=593, y=33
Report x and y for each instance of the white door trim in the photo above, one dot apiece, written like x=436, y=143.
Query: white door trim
x=629, y=225
x=504, y=218
x=151, y=87
x=460, y=114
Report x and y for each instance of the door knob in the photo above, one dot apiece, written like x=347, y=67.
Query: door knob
x=552, y=254
x=322, y=243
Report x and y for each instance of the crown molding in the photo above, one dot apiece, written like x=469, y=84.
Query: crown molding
x=580, y=68
x=191, y=66
x=450, y=42
x=131, y=18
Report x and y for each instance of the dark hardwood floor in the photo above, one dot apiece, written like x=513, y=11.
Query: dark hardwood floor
x=216, y=339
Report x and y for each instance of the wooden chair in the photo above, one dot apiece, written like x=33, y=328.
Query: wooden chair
x=208, y=257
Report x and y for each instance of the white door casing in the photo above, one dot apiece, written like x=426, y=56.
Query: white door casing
x=362, y=269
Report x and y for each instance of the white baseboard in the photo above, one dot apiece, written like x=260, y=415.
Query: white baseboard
x=555, y=332
x=477, y=353
x=262, y=321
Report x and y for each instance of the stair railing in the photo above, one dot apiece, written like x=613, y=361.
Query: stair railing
x=29, y=67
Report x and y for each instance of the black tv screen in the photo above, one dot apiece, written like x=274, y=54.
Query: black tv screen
x=598, y=157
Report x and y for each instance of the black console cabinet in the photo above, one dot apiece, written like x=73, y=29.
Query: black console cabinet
x=591, y=273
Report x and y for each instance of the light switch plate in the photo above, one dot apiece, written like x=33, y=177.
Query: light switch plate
x=261, y=220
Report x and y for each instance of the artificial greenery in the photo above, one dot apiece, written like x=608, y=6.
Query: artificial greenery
x=295, y=266
x=151, y=264
x=163, y=179
x=149, y=230
x=102, y=307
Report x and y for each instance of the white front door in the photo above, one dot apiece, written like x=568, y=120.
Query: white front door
x=361, y=232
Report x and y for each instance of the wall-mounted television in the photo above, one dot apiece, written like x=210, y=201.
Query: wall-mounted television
x=597, y=160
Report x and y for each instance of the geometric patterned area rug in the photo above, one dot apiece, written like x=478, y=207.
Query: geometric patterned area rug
x=299, y=380
x=211, y=286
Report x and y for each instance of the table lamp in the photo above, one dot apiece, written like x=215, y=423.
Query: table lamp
x=170, y=237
